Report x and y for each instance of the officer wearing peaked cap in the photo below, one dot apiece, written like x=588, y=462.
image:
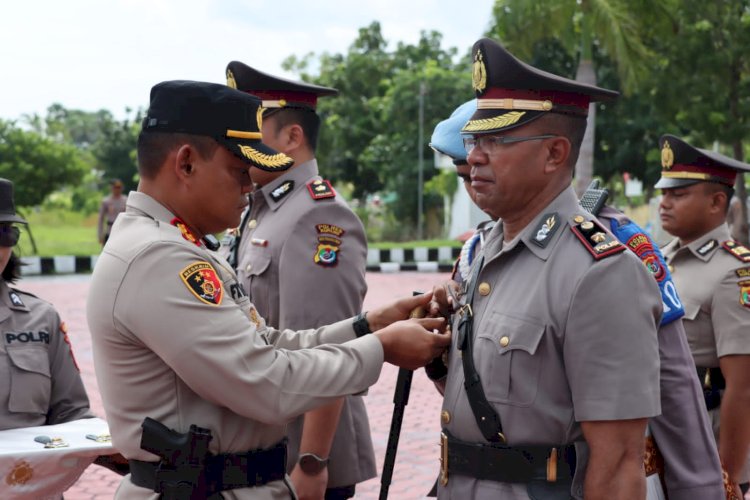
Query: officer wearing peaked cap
x=301, y=256
x=176, y=338
x=553, y=369
x=712, y=275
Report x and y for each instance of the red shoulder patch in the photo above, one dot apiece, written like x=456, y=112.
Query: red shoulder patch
x=202, y=280
x=320, y=189
x=740, y=252
x=185, y=231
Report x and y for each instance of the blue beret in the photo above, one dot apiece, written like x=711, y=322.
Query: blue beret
x=446, y=138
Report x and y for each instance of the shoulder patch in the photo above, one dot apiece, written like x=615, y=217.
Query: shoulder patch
x=329, y=245
x=740, y=252
x=15, y=299
x=201, y=279
x=545, y=229
x=707, y=247
x=744, y=293
x=282, y=190
x=743, y=272
x=320, y=189
x=185, y=231
x=598, y=241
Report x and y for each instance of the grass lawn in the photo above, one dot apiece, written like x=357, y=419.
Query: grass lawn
x=59, y=233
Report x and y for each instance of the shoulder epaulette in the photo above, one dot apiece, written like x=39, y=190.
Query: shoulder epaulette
x=598, y=241
x=740, y=252
x=24, y=292
x=320, y=189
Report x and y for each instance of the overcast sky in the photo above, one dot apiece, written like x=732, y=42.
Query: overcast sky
x=93, y=54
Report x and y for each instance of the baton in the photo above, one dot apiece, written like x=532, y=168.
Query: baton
x=400, y=400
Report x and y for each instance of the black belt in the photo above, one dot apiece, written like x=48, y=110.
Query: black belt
x=505, y=464
x=712, y=381
x=226, y=471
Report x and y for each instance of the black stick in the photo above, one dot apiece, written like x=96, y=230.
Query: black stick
x=400, y=400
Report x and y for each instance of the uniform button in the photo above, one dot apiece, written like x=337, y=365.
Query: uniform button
x=252, y=223
x=504, y=341
x=484, y=288
x=445, y=417
x=587, y=226
x=671, y=268
x=248, y=268
x=578, y=219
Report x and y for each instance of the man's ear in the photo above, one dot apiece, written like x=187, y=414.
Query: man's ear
x=558, y=152
x=295, y=136
x=183, y=162
x=718, y=202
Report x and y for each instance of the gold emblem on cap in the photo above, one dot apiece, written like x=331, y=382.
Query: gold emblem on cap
x=598, y=237
x=230, y=79
x=479, y=73
x=279, y=160
x=493, y=123
x=667, y=156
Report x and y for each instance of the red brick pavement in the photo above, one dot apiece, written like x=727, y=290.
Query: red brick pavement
x=417, y=460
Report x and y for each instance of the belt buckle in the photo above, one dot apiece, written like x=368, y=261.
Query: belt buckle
x=443, y=459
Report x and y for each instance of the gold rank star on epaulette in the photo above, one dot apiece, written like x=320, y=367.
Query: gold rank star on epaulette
x=320, y=189
x=597, y=240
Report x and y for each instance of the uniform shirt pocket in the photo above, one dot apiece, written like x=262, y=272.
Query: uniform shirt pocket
x=507, y=360
x=258, y=275
x=30, y=380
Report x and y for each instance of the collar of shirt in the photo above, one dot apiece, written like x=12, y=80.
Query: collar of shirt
x=563, y=206
x=143, y=203
x=720, y=234
x=301, y=175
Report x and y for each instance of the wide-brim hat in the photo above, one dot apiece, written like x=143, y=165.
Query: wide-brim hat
x=231, y=117
x=684, y=165
x=511, y=93
x=275, y=92
x=7, y=204
x=446, y=138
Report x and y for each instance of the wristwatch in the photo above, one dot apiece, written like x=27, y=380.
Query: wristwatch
x=312, y=464
x=361, y=325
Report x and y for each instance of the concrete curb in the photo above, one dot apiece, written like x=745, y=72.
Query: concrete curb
x=394, y=260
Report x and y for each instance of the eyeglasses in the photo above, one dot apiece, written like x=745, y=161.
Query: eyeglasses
x=9, y=235
x=489, y=144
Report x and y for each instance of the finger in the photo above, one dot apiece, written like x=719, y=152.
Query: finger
x=420, y=300
x=443, y=340
x=431, y=323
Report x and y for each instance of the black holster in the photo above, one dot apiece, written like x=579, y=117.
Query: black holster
x=713, y=383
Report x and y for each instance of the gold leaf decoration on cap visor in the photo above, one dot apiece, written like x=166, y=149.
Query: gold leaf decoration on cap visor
x=493, y=123
x=230, y=79
x=479, y=73
x=259, y=117
x=667, y=156
x=279, y=160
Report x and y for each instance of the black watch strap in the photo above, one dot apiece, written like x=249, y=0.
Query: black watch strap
x=361, y=325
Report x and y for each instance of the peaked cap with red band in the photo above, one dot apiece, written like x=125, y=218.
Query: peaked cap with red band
x=683, y=165
x=511, y=93
x=275, y=92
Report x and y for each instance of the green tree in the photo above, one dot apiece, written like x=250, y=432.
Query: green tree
x=582, y=27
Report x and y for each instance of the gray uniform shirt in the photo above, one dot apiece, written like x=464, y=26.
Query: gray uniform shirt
x=184, y=350
x=560, y=338
x=713, y=285
x=39, y=380
x=292, y=287
x=683, y=430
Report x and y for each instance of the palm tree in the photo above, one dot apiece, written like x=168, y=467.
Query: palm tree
x=613, y=26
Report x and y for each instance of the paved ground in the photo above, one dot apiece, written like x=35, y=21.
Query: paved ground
x=417, y=463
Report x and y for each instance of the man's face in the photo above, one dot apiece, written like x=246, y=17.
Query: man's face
x=684, y=211
x=219, y=187
x=116, y=190
x=505, y=177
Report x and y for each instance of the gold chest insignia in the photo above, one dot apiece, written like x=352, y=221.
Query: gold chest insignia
x=667, y=156
x=230, y=80
x=479, y=73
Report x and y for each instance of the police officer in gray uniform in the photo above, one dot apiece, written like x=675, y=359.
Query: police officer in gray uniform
x=301, y=256
x=177, y=340
x=686, y=455
x=41, y=384
x=712, y=274
x=554, y=369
